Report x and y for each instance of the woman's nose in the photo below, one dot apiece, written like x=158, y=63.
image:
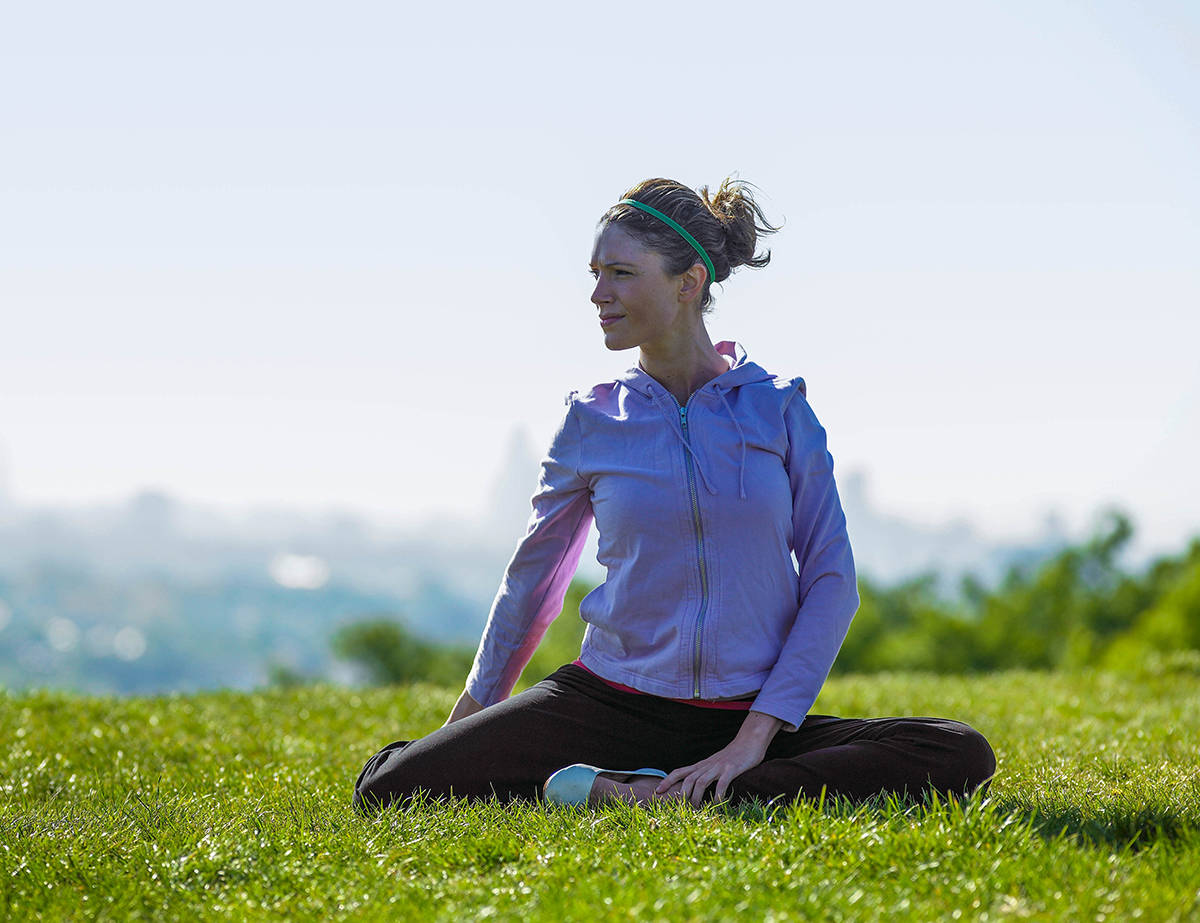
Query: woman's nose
x=600, y=293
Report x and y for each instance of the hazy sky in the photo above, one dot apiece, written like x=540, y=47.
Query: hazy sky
x=330, y=255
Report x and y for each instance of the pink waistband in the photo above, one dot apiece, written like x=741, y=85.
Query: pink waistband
x=733, y=705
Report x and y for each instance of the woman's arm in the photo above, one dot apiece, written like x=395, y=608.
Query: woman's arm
x=536, y=579
x=463, y=708
x=828, y=588
x=744, y=752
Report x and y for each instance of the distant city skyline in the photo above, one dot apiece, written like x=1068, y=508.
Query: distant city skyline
x=271, y=255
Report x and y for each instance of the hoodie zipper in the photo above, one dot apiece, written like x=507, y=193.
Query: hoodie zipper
x=691, y=472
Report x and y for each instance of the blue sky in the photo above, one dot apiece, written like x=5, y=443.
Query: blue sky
x=331, y=256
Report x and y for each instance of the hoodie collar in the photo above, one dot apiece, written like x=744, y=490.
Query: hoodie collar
x=741, y=372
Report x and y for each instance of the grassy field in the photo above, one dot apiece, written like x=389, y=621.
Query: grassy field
x=237, y=805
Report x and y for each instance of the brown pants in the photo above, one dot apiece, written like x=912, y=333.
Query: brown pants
x=508, y=750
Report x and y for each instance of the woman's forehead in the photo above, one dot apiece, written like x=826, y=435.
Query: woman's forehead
x=612, y=245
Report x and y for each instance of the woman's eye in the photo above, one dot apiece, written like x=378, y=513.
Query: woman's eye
x=594, y=273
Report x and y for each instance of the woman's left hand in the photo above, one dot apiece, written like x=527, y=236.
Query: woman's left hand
x=744, y=752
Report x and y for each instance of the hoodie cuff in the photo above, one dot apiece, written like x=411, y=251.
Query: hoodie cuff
x=791, y=718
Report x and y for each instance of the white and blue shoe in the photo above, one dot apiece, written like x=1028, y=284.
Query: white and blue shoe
x=573, y=784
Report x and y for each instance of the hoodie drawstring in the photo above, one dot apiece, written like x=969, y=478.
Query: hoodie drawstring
x=741, y=436
x=695, y=458
x=679, y=435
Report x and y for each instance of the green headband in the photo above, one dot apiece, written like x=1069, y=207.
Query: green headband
x=671, y=222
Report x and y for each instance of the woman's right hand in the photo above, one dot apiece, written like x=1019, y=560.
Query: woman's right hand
x=463, y=708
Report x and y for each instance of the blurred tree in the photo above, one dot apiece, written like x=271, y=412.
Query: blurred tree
x=286, y=676
x=1077, y=608
x=389, y=653
x=1171, y=623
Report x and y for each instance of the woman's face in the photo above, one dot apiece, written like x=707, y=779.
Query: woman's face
x=640, y=304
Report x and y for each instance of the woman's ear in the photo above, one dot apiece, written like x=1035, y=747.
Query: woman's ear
x=691, y=283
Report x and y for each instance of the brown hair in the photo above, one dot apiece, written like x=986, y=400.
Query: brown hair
x=727, y=225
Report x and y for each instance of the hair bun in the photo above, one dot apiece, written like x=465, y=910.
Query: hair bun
x=742, y=220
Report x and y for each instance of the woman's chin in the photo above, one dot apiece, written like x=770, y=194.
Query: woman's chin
x=615, y=343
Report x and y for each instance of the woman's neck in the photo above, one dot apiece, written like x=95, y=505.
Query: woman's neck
x=684, y=367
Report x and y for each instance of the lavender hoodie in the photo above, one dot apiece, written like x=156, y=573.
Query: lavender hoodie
x=700, y=509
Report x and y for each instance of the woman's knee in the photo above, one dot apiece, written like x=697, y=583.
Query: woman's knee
x=382, y=779
x=971, y=763
x=455, y=761
x=952, y=757
x=979, y=760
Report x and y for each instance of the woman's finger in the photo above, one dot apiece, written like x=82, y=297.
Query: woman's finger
x=673, y=777
x=699, y=785
x=722, y=778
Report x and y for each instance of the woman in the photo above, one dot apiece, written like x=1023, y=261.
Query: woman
x=705, y=646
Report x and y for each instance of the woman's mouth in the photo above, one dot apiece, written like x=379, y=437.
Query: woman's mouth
x=607, y=320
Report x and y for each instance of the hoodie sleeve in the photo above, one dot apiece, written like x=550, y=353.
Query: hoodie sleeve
x=536, y=579
x=828, y=589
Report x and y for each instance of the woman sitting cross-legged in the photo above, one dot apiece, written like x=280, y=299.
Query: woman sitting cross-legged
x=730, y=582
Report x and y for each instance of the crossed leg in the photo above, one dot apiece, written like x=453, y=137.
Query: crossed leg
x=508, y=750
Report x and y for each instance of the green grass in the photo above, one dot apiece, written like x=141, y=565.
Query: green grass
x=220, y=805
